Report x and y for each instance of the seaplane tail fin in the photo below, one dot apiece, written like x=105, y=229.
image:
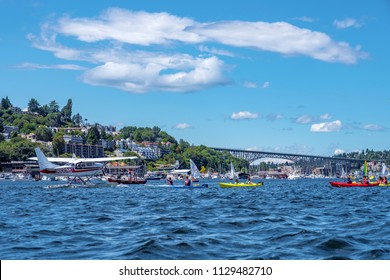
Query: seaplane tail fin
x=43, y=161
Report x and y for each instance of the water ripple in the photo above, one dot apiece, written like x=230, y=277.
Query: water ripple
x=304, y=219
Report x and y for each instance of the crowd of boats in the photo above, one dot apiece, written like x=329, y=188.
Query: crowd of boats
x=193, y=175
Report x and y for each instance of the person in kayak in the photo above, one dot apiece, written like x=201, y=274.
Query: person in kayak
x=169, y=181
x=187, y=182
x=349, y=181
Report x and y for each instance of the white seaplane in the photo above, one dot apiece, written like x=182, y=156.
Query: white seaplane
x=76, y=168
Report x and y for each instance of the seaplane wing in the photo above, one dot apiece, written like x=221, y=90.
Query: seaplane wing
x=55, y=159
x=72, y=159
x=103, y=159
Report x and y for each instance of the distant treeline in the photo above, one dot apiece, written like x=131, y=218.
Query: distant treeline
x=38, y=119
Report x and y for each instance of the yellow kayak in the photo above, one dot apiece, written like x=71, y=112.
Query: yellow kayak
x=384, y=185
x=240, y=185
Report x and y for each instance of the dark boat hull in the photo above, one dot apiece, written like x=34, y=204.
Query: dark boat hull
x=127, y=182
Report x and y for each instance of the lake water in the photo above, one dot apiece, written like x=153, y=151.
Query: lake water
x=287, y=220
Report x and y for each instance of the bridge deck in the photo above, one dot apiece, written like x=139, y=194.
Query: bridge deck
x=254, y=155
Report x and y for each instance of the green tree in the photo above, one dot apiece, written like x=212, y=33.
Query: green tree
x=16, y=149
x=43, y=133
x=33, y=106
x=53, y=107
x=53, y=119
x=93, y=135
x=66, y=111
x=5, y=103
x=77, y=119
x=58, y=143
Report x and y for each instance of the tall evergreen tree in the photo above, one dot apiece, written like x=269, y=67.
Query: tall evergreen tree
x=33, y=106
x=5, y=103
x=93, y=135
x=77, y=119
x=53, y=107
x=66, y=111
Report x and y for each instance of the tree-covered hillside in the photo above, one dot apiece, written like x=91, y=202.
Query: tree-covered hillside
x=39, y=120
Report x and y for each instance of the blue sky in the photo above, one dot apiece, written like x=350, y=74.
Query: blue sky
x=306, y=77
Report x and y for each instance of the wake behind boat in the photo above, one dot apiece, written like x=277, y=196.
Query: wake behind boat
x=192, y=186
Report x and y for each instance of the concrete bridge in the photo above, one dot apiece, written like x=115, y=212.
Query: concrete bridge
x=306, y=162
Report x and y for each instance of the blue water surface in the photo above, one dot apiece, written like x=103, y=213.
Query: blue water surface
x=287, y=220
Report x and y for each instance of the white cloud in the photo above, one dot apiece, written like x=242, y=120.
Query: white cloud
x=265, y=85
x=131, y=27
x=338, y=152
x=274, y=117
x=251, y=85
x=305, y=19
x=325, y=116
x=182, y=126
x=346, y=23
x=27, y=65
x=244, y=115
x=280, y=37
x=129, y=49
x=307, y=119
x=326, y=126
x=215, y=51
x=181, y=73
x=143, y=28
x=254, y=148
x=304, y=119
x=373, y=127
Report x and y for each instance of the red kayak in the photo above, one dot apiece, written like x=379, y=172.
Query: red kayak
x=346, y=185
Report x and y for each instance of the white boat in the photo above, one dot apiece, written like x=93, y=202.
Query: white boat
x=22, y=177
x=6, y=176
x=293, y=176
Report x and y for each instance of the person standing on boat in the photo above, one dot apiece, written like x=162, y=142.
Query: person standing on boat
x=187, y=182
